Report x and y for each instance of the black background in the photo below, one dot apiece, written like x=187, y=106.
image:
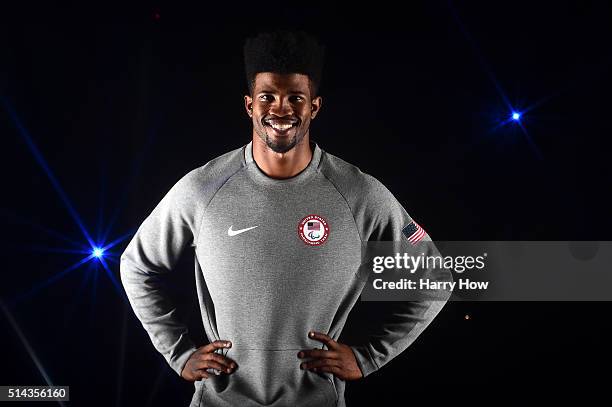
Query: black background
x=122, y=101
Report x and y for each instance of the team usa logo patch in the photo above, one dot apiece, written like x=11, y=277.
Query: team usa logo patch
x=413, y=232
x=313, y=230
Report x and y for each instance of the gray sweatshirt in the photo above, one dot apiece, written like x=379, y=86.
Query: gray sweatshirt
x=274, y=260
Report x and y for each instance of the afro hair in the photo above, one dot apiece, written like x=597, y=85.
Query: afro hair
x=284, y=52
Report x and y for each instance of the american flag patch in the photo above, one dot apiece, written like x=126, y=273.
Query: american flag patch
x=413, y=232
x=313, y=226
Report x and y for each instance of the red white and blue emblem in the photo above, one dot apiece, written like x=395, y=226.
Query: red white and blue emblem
x=413, y=232
x=313, y=230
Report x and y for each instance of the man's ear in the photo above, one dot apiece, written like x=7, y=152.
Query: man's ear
x=315, y=106
x=248, y=105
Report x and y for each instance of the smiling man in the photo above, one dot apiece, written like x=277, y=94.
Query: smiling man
x=277, y=226
x=281, y=107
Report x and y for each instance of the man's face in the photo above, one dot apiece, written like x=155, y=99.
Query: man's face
x=281, y=108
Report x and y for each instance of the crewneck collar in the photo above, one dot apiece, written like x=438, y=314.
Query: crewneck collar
x=306, y=174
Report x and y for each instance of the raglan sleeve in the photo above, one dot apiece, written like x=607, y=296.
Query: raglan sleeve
x=153, y=252
x=401, y=322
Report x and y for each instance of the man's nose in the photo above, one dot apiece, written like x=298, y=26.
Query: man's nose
x=281, y=108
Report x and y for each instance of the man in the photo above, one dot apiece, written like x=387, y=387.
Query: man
x=277, y=226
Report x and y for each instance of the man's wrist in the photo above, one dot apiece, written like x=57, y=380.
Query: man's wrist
x=364, y=359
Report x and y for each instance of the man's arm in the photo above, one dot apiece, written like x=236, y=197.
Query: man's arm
x=402, y=321
x=153, y=251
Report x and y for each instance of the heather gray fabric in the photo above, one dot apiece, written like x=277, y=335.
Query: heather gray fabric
x=264, y=289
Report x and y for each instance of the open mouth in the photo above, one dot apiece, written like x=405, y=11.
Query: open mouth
x=280, y=126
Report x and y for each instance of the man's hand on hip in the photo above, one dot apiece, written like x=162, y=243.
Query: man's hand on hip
x=205, y=358
x=338, y=360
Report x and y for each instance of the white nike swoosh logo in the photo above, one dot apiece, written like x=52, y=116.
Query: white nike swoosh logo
x=231, y=232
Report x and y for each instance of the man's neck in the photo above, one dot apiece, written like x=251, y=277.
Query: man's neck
x=281, y=165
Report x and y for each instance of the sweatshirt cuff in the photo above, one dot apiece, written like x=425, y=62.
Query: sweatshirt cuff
x=182, y=354
x=364, y=360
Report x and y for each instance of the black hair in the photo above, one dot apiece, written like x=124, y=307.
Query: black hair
x=284, y=52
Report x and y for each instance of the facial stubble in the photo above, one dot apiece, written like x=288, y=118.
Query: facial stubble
x=278, y=144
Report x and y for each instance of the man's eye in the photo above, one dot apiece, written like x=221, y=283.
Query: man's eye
x=298, y=98
x=265, y=98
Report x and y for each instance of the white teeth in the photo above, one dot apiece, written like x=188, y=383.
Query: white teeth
x=281, y=127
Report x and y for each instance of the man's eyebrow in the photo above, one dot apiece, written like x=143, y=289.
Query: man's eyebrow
x=292, y=92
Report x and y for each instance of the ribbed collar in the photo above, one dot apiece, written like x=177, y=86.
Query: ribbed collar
x=258, y=175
